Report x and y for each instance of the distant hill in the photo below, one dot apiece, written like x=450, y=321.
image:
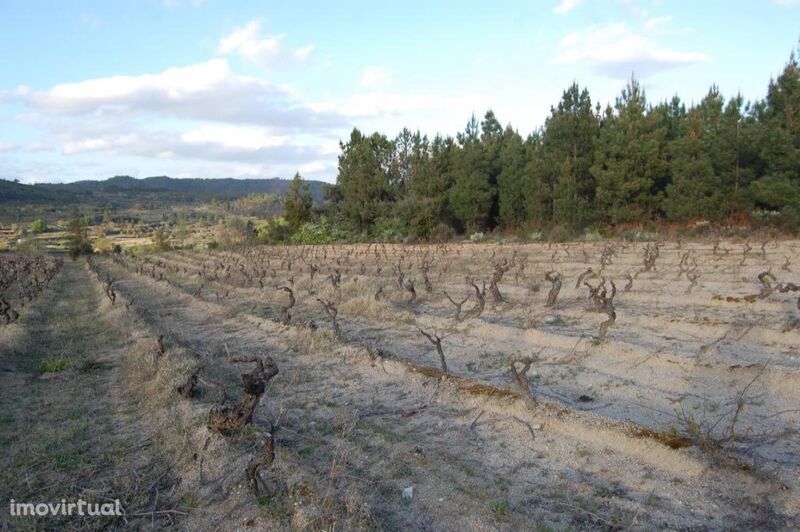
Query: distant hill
x=125, y=189
x=11, y=192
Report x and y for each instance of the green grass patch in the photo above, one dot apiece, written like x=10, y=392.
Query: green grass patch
x=306, y=451
x=67, y=460
x=54, y=365
x=190, y=500
x=278, y=507
x=500, y=510
x=403, y=471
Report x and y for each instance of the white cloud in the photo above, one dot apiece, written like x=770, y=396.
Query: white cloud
x=565, y=6
x=245, y=138
x=265, y=51
x=376, y=76
x=315, y=167
x=97, y=144
x=232, y=144
x=166, y=120
x=207, y=120
x=6, y=147
x=616, y=51
x=653, y=24
x=786, y=3
x=206, y=91
x=38, y=147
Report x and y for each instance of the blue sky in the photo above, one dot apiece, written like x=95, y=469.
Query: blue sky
x=206, y=88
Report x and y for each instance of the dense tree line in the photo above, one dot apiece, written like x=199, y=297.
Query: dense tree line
x=631, y=162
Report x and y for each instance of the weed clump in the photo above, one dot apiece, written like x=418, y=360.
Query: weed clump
x=54, y=365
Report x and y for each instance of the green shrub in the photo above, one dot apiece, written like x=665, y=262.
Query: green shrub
x=389, y=229
x=38, y=226
x=78, y=243
x=320, y=232
x=161, y=240
x=77, y=248
x=274, y=231
x=477, y=237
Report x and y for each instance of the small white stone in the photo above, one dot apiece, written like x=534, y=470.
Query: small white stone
x=408, y=493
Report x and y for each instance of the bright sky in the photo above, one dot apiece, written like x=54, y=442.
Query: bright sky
x=208, y=88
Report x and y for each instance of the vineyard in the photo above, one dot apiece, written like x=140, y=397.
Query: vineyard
x=21, y=280
x=609, y=384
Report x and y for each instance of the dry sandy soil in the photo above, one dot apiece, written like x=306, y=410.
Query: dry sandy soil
x=683, y=415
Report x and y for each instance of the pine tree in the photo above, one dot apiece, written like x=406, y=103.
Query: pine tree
x=400, y=174
x=670, y=115
x=566, y=158
x=512, y=181
x=364, y=178
x=696, y=188
x=423, y=204
x=738, y=161
x=781, y=150
x=297, y=203
x=779, y=189
x=630, y=157
x=539, y=191
x=491, y=144
x=471, y=195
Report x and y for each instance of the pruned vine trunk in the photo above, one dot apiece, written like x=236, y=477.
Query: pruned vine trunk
x=227, y=419
x=437, y=342
x=521, y=380
x=555, y=280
